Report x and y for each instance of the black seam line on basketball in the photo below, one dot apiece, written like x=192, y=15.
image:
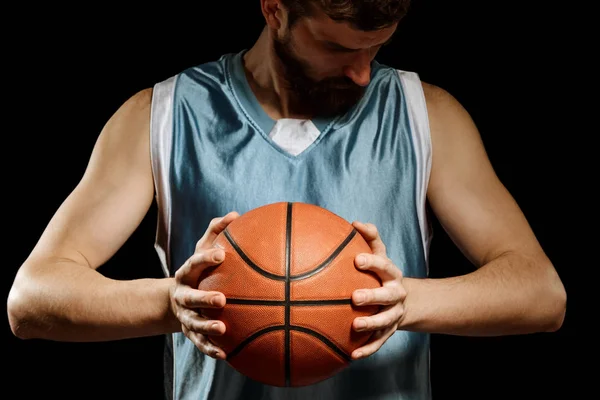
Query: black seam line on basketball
x=275, y=277
x=291, y=302
x=328, y=260
x=310, y=332
x=248, y=261
x=323, y=339
x=252, y=337
x=288, y=261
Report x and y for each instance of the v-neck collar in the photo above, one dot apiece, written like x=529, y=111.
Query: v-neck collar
x=246, y=98
x=251, y=104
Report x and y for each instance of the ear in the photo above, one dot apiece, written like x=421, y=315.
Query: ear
x=274, y=13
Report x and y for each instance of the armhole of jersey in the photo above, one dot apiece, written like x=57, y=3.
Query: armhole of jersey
x=421, y=138
x=161, y=143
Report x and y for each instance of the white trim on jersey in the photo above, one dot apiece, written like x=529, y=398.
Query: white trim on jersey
x=161, y=139
x=421, y=135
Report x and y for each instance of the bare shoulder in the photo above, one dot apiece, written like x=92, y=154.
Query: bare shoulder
x=125, y=136
x=136, y=109
x=452, y=128
x=141, y=98
x=433, y=92
x=442, y=105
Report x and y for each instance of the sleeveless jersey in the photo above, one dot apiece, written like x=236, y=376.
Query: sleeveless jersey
x=215, y=150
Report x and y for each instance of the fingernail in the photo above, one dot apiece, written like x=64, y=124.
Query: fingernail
x=361, y=260
x=215, y=326
x=361, y=324
x=218, y=256
x=215, y=301
x=358, y=354
x=359, y=298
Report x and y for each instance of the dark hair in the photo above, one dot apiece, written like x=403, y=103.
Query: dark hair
x=366, y=15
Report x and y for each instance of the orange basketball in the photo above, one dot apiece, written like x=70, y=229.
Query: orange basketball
x=288, y=278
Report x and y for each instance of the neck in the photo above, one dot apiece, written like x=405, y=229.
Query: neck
x=264, y=73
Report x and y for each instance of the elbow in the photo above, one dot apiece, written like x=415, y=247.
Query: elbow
x=20, y=312
x=559, y=309
x=16, y=314
x=555, y=305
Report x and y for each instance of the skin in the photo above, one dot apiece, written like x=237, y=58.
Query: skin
x=58, y=293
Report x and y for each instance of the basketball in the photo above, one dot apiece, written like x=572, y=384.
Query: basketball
x=288, y=278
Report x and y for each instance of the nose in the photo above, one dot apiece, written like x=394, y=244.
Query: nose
x=359, y=70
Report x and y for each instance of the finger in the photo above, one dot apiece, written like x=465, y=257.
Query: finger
x=196, y=323
x=194, y=266
x=204, y=345
x=371, y=235
x=215, y=227
x=382, y=266
x=385, y=295
x=377, y=340
x=188, y=297
x=387, y=318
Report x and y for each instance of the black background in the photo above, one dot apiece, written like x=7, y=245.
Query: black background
x=70, y=69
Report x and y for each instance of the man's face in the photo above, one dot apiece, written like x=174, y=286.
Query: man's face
x=327, y=64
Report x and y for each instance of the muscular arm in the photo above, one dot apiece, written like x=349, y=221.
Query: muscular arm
x=514, y=287
x=58, y=293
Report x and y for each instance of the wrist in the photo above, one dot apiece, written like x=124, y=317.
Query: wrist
x=170, y=316
x=412, y=315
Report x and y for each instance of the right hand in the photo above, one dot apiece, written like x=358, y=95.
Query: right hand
x=187, y=301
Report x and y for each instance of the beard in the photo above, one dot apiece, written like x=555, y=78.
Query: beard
x=325, y=98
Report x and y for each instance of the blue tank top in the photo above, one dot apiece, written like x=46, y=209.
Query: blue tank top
x=215, y=150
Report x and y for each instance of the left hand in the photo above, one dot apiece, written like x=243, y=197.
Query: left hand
x=390, y=295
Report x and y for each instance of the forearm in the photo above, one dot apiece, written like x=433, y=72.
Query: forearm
x=67, y=302
x=510, y=295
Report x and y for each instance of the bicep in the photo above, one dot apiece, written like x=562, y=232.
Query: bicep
x=113, y=195
x=471, y=203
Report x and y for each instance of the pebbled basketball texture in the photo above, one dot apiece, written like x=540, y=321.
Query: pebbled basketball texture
x=288, y=278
